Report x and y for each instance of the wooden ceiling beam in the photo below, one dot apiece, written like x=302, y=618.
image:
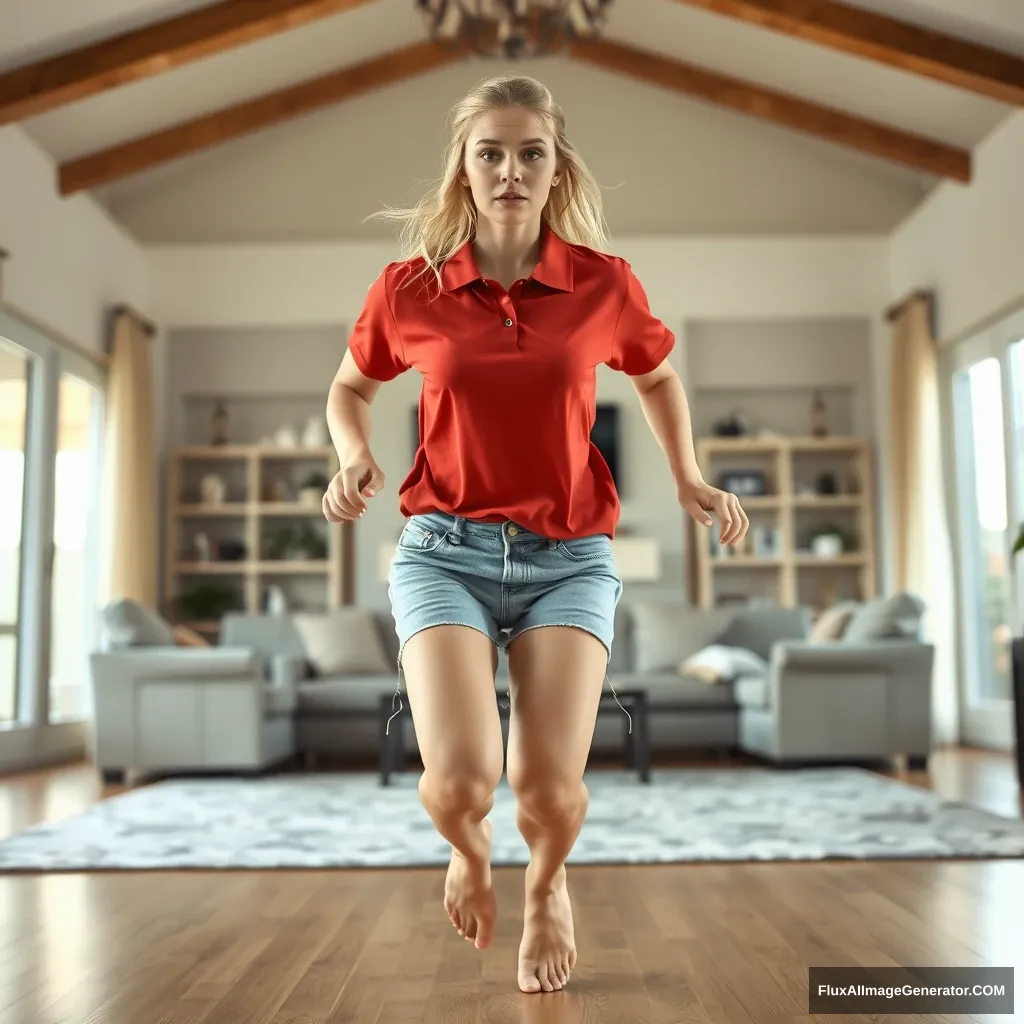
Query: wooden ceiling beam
x=181, y=140
x=879, y=140
x=152, y=50
x=879, y=37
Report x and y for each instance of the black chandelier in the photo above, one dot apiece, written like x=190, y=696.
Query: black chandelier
x=512, y=28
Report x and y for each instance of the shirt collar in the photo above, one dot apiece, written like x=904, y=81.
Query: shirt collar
x=554, y=268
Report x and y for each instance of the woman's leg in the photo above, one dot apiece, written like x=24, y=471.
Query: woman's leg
x=449, y=676
x=558, y=674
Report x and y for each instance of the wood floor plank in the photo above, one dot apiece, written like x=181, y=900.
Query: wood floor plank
x=664, y=944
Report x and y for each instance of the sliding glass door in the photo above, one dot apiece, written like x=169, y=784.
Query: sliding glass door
x=51, y=409
x=15, y=371
x=987, y=394
x=75, y=572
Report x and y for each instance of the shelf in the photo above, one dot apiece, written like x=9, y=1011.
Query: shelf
x=245, y=451
x=795, y=573
x=828, y=501
x=287, y=508
x=746, y=562
x=804, y=560
x=227, y=508
x=301, y=565
x=239, y=568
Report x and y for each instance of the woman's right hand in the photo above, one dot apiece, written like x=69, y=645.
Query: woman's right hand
x=359, y=477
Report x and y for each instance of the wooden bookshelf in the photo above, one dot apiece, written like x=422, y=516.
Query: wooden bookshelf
x=252, y=515
x=811, y=485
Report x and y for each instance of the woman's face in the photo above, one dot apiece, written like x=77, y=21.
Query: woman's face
x=510, y=165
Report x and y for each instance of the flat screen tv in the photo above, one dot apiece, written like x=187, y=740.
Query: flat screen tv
x=604, y=436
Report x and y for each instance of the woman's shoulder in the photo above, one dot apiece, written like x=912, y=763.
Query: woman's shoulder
x=597, y=261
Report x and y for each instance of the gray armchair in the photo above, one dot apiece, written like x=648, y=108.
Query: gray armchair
x=164, y=708
x=865, y=695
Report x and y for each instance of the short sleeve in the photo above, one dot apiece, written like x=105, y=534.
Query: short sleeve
x=375, y=342
x=640, y=340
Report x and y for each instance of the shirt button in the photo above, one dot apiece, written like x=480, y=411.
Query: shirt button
x=508, y=323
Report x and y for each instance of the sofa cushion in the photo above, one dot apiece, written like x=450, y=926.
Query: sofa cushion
x=756, y=629
x=832, y=622
x=345, y=693
x=673, y=688
x=718, y=663
x=127, y=623
x=895, y=617
x=342, y=641
x=664, y=633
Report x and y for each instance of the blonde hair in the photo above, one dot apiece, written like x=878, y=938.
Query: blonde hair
x=445, y=217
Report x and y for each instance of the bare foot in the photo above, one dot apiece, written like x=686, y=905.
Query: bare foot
x=547, y=953
x=469, y=898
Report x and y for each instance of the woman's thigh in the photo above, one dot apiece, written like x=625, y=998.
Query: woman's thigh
x=558, y=675
x=447, y=652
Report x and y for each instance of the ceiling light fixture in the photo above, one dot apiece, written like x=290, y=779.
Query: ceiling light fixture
x=512, y=29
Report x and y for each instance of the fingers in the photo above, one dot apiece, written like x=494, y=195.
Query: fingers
x=343, y=501
x=733, y=519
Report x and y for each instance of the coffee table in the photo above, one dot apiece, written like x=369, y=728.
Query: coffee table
x=636, y=743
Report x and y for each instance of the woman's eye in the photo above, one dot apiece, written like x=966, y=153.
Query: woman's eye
x=487, y=154
x=534, y=154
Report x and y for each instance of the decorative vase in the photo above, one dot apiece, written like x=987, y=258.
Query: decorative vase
x=212, y=489
x=315, y=433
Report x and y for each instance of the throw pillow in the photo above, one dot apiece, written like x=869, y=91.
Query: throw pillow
x=185, y=637
x=130, y=624
x=829, y=626
x=717, y=663
x=886, y=618
x=342, y=641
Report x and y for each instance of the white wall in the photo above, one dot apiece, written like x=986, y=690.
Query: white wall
x=68, y=259
x=967, y=243
x=68, y=263
x=296, y=287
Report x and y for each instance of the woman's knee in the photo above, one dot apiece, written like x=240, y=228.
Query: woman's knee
x=459, y=789
x=549, y=797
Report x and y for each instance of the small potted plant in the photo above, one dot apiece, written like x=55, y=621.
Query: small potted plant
x=313, y=488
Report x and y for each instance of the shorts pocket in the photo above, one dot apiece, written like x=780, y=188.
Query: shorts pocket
x=586, y=549
x=416, y=537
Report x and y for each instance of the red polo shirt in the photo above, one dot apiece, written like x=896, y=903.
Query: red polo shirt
x=508, y=396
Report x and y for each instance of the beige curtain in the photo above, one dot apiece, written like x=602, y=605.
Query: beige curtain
x=130, y=458
x=921, y=546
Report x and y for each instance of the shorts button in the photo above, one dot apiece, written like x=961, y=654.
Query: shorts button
x=508, y=323
x=513, y=530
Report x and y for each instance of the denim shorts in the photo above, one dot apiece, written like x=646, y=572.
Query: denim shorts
x=500, y=579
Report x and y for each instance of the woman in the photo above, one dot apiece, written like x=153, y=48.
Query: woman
x=506, y=306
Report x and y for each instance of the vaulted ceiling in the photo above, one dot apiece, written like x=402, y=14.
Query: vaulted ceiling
x=271, y=120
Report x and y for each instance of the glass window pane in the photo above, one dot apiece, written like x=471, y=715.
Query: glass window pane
x=987, y=599
x=14, y=376
x=75, y=543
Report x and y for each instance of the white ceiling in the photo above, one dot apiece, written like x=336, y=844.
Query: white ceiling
x=672, y=164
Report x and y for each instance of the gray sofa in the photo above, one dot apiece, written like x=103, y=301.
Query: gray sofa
x=862, y=697
x=255, y=700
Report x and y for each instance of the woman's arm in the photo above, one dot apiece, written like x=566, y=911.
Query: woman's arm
x=663, y=400
x=348, y=419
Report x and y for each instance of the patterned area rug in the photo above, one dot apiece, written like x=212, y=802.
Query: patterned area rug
x=684, y=815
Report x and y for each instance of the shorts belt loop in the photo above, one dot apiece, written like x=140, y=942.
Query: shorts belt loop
x=457, y=526
x=552, y=544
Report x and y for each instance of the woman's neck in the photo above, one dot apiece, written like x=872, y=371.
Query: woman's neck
x=506, y=253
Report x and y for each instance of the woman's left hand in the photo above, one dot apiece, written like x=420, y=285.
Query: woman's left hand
x=698, y=499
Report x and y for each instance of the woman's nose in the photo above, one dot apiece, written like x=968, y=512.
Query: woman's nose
x=511, y=172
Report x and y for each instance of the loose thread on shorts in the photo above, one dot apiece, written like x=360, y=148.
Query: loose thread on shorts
x=398, y=694
x=624, y=711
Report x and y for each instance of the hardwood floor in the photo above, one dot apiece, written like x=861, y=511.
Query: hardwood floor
x=688, y=944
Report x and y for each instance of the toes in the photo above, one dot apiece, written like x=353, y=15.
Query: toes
x=566, y=968
x=572, y=959
x=484, y=933
x=528, y=980
x=545, y=978
x=471, y=929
